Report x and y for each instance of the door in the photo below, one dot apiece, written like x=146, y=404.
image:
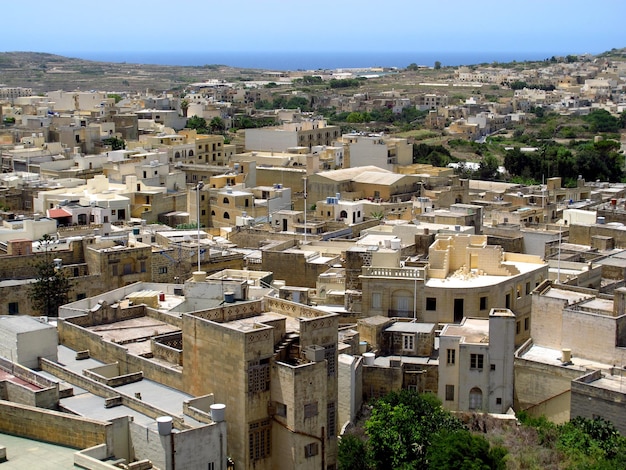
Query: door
x=458, y=310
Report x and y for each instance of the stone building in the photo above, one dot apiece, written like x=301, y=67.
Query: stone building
x=463, y=277
x=476, y=363
x=272, y=362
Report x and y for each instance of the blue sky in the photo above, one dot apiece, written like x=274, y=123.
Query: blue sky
x=550, y=26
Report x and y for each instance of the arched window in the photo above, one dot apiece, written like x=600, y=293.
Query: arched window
x=343, y=215
x=213, y=213
x=475, y=399
x=177, y=155
x=225, y=200
x=191, y=153
x=226, y=215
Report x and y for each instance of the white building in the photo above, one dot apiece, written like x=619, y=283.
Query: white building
x=476, y=363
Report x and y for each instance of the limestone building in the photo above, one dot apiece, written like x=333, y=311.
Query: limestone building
x=272, y=362
x=463, y=277
x=476, y=363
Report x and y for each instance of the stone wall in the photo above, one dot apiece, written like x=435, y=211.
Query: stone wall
x=80, y=339
x=53, y=426
x=378, y=381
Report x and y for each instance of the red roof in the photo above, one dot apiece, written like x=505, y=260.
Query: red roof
x=58, y=213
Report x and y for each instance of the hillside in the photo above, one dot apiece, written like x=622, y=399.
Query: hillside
x=45, y=72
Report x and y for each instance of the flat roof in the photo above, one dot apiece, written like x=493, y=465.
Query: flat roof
x=474, y=280
x=411, y=327
x=552, y=357
x=472, y=330
x=22, y=323
x=23, y=453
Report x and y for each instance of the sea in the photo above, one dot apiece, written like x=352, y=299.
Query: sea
x=310, y=60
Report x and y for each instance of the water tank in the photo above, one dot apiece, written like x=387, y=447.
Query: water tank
x=58, y=263
x=218, y=410
x=164, y=425
x=229, y=297
x=362, y=347
x=161, y=297
x=369, y=358
x=566, y=356
x=396, y=243
x=601, y=220
x=457, y=228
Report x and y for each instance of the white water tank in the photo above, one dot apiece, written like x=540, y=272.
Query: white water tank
x=218, y=411
x=164, y=425
x=369, y=358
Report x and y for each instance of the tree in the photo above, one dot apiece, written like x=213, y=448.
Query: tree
x=437, y=65
x=51, y=287
x=402, y=426
x=198, y=123
x=217, y=125
x=465, y=451
x=115, y=143
x=351, y=453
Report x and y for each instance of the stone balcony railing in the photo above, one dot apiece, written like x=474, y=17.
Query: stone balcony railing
x=403, y=273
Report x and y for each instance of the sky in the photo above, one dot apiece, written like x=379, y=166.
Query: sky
x=83, y=26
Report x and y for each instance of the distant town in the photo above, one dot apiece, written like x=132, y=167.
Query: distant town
x=233, y=270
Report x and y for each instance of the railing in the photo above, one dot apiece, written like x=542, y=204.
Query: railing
x=406, y=273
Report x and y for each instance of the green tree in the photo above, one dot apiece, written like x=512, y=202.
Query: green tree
x=51, y=287
x=437, y=65
x=352, y=453
x=601, y=120
x=217, y=125
x=401, y=428
x=488, y=168
x=115, y=143
x=115, y=96
x=462, y=450
x=198, y=123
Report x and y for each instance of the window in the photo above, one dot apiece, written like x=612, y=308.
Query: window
x=498, y=401
x=142, y=266
x=311, y=450
x=281, y=409
x=226, y=215
x=331, y=419
x=114, y=270
x=162, y=269
x=492, y=367
x=527, y=288
x=113, y=212
x=128, y=269
x=310, y=410
x=476, y=361
x=449, y=392
x=507, y=301
x=526, y=323
x=408, y=342
x=211, y=466
x=14, y=308
x=81, y=296
x=431, y=303
x=519, y=291
x=517, y=328
x=377, y=300
x=451, y=356
x=258, y=376
x=259, y=439
x=483, y=303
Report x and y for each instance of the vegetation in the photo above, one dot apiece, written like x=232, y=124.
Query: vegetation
x=407, y=430
x=580, y=443
x=115, y=143
x=51, y=287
